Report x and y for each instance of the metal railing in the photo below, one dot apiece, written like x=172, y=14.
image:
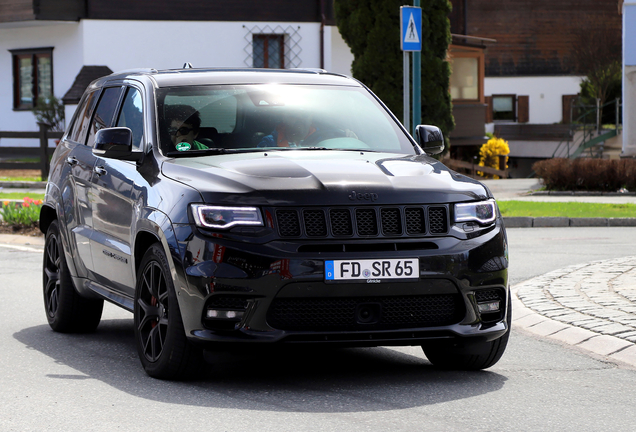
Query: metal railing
x=587, y=132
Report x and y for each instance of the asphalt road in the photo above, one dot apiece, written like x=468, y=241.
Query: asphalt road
x=94, y=382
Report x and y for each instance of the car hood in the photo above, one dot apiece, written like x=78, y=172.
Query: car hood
x=322, y=178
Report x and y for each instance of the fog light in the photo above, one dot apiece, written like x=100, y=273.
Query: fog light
x=224, y=314
x=488, y=307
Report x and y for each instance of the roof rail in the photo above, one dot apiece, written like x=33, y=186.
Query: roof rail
x=315, y=70
x=137, y=70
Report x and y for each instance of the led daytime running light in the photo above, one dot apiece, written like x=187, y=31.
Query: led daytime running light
x=226, y=217
x=482, y=211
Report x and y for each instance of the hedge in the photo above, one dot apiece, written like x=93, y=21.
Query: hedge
x=583, y=174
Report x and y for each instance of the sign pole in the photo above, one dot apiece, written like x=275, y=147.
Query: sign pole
x=411, y=40
x=406, y=90
x=417, y=80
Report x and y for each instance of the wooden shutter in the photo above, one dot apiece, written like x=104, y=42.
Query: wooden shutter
x=488, y=100
x=523, y=109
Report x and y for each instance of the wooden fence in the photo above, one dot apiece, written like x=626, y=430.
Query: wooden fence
x=41, y=152
x=470, y=169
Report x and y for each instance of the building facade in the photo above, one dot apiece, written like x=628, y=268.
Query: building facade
x=54, y=47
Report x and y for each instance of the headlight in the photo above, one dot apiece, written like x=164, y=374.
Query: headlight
x=226, y=217
x=483, y=212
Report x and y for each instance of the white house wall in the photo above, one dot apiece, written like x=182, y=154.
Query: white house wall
x=65, y=38
x=341, y=56
x=544, y=92
x=169, y=44
x=124, y=45
x=629, y=79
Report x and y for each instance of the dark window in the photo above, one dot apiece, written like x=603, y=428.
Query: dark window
x=503, y=107
x=80, y=125
x=104, y=112
x=32, y=76
x=131, y=115
x=268, y=51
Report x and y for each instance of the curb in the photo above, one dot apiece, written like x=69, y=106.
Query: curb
x=609, y=347
x=551, y=222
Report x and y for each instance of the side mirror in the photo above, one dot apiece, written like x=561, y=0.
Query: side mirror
x=115, y=143
x=430, y=138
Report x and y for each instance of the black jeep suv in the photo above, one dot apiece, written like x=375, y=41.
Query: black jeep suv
x=226, y=207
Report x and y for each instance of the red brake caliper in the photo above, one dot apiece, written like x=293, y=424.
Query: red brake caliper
x=153, y=302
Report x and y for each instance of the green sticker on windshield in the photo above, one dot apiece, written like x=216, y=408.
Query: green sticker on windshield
x=183, y=146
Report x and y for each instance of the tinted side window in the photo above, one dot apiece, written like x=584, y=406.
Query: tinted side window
x=80, y=126
x=104, y=112
x=131, y=115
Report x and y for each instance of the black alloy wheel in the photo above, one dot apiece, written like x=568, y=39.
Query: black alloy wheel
x=153, y=311
x=66, y=310
x=162, y=345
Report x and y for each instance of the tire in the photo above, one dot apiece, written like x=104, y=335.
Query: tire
x=469, y=356
x=163, y=348
x=66, y=310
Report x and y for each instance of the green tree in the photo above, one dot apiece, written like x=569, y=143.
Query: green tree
x=596, y=53
x=371, y=28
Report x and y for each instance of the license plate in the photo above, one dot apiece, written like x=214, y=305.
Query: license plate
x=372, y=270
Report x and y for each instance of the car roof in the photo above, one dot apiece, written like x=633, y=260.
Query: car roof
x=218, y=76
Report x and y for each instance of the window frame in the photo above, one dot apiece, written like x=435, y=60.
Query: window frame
x=34, y=53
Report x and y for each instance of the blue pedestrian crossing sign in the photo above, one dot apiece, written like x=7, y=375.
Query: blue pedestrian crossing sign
x=411, y=28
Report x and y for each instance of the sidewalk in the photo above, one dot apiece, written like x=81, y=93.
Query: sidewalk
x=591, y=306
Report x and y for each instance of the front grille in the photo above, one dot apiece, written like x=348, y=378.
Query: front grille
x=340, y=222
x=437, y=220
x=288, y=225
x=315, y=223
x=366, y=222
x=391, y=221
x=415, y=222
x=340, y=314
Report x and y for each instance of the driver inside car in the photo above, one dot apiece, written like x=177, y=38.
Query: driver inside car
x=184, y=127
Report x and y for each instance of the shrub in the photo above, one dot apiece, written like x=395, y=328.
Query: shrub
x=50, y=111
x=26, y=214
x=587, y=174
x=489, y=154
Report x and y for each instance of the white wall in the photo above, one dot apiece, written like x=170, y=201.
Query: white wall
x=124, y=45
x=67, y=61
x=545, y=93
x=341, y=58
x=629, y=79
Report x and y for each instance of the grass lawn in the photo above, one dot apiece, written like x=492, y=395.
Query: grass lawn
x=35, y=179
x=565, y=209
x=20, y=195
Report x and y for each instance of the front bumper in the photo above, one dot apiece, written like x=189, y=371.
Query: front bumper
x=276, y=296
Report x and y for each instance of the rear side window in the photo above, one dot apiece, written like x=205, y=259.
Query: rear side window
x=131, y=115
x=80, y=126
x=104, y=112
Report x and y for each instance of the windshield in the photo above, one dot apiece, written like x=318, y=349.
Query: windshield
x=215, y=119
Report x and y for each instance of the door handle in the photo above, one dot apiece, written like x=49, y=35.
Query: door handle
x=100, y=170
x=72, y=161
